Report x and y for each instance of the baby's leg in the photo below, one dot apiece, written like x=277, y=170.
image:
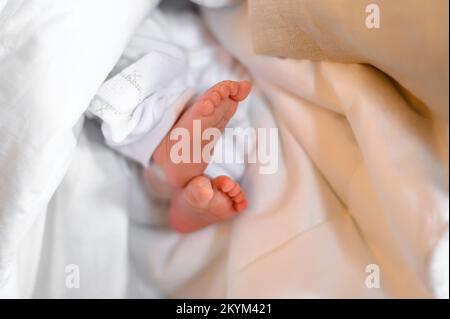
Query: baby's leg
x=214, y=109
x=203, y=202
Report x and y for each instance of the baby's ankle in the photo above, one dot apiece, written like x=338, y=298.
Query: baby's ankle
x=171, y=176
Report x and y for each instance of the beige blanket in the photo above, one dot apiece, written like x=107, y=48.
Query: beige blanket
x=410, y=42
x=363, y=179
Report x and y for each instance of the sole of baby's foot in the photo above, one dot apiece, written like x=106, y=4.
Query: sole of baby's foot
x=204, y=202
x=212, y=110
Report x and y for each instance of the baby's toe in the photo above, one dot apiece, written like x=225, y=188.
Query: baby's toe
x=239, y=197
x=239, y=207
x=244, y=88
x=233, y=86
x=226, y=88
x=235, y=190
x=214, y=96
x=224, y=183
x=224, y=91
x=239, y=200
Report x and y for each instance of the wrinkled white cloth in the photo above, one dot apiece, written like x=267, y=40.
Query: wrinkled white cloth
x=51, y=64
x=362, y=178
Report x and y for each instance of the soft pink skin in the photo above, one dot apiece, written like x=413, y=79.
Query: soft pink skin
x=203, y=202
x=214, y=109
x=197, y=200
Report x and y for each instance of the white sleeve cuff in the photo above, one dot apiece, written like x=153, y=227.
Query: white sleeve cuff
x=142, y=142
x=139, y=105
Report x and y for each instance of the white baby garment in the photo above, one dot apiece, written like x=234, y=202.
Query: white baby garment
x=171, y=59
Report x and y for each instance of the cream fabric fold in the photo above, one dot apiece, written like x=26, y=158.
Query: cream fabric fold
x=411, y=44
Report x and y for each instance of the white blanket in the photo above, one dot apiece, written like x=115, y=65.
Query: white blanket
x=362, y=181
x=53, y=57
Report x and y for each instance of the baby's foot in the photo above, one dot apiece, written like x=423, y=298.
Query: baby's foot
x=203, y=202
x=213, y=109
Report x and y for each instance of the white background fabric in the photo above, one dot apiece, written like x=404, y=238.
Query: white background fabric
x=362, y=179
x=53, y=57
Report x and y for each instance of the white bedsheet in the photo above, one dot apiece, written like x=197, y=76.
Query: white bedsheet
x=363, y=179
x=53, y=57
